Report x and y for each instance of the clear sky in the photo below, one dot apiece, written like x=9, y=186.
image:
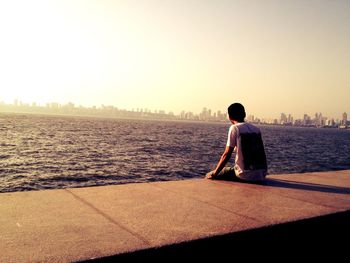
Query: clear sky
x=273, y=56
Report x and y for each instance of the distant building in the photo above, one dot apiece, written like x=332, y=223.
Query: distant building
x=306, y=120
x=345, y=119
x=251, y=118
x=318, y=120
x=330, y=122
x=205, y=114
x=283, y=119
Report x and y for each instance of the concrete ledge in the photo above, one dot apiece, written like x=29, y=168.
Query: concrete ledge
x=177, y=219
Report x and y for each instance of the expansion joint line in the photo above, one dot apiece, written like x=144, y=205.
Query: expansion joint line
x=109, y=218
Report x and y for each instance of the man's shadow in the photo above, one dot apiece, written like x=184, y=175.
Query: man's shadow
x=290, y=184
x=306, y=186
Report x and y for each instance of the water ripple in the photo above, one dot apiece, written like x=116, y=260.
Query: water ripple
x=46, y=152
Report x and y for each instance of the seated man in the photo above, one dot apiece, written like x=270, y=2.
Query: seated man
x=244, y=139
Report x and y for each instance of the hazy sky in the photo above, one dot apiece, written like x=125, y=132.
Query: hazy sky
x=273, y=56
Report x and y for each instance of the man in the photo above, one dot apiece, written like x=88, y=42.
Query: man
x=244, y=139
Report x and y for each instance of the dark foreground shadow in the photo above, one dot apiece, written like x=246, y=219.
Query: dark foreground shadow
x=324, y=237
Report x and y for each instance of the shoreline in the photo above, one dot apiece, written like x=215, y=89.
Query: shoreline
x=345, y=128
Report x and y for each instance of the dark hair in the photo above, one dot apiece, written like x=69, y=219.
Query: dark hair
x=236, y=112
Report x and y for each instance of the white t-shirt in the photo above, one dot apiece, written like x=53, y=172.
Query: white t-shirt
x=251, y=148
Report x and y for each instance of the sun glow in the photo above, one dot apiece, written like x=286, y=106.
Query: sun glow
x=273, y=56
x=51, y=58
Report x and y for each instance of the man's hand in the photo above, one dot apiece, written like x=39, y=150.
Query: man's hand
x=223, y=160
x=210, y=175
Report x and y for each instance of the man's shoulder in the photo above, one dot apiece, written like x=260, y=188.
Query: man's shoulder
x=233, y=128
x=247, y=127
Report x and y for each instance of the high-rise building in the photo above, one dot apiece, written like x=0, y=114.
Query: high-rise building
x=183, y=115
x=318, y=121
x=205, y=114
x=283, y=118
x=306, y=120
x=250, y=118
x=345, y=118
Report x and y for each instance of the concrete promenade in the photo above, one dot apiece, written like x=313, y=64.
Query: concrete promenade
x=198, y=216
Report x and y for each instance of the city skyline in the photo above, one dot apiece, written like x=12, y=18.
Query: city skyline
x=206, y=114
x=272, y=56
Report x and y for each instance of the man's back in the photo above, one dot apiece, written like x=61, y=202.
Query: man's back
x=250, y=161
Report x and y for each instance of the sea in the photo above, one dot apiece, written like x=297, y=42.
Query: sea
x=52, y=152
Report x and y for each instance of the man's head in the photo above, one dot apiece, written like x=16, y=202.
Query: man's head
x=236, y=112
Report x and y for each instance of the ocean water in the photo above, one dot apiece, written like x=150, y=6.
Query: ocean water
x=51, y=152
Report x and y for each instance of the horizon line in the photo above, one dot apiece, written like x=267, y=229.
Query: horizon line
x=205, y=109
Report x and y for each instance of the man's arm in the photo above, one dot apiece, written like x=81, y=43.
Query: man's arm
x=222, y=162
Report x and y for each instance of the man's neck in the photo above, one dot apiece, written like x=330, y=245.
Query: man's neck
x=235, y=122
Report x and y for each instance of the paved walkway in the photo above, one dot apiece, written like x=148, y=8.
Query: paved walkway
x=83, y=223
